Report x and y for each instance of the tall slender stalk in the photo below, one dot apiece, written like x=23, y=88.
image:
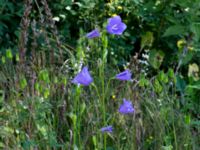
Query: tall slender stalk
x=77, y=113
x=24, y=30
x=104, y=61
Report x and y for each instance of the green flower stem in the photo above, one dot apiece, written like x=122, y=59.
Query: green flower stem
x=104, y=61
x=77, y=113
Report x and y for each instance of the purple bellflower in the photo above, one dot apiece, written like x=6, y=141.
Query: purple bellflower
x=108, y=129
x=125, y=75
x=126, y=107
x=94, y=33
x=83, y=77
x=115, y=25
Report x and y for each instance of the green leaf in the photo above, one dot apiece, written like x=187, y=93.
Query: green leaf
x=2, y=95
x=163, y=77
x=9, y=54
x=194, y=87
x=175, y=30
x=143, y=81
x=3, y=59
x=187, y=119
x=157, y=86
x=187, y=58
x=180, y=83
x=147, y=40
x=195, y=28
x=156, y=58
x=23, y=83
x=94, y=140
x=2, y=145
x=196, y=122
x=169, y=147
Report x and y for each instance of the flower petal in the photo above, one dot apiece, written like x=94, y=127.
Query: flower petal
x=114, y=20
x=115, y=26
x=94, y=33
x=121, y=28
x=108, y=129
x=125, y=75
x=126, y=107
x=83, y=77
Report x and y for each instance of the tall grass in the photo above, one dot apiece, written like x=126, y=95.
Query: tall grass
x=45, y=110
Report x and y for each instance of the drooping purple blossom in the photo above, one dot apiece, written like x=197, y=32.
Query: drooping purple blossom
x=94, y=33
x=115, y=25
x=126, y=107
x=125, y=75
x=108, y=129
x=83, y=77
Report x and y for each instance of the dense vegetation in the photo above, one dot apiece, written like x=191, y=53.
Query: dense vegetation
x=75, y=76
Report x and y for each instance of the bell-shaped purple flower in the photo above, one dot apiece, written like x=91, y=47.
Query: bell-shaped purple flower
x=108, y=129
x=115, y=25
x=126, y=107
x=94, y=33
x=83, y=77
x=125, y=75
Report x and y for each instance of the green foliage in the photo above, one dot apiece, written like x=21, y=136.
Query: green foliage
x=10, y=15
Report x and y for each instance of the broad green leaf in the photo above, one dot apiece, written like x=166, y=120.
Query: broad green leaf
x=187, y=119
x=171, y=73
x=147, y=40
x=9, y=54
x=194, y=87
x=195, y=28
x=180, y=83
x=143, y=82
x=187, y=58
x=162, y=77
x=156, y=58
x=157, y=86
x=175, y=30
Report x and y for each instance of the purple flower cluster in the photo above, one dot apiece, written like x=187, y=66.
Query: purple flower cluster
x=117, y=27
x=84, y=77
x=125, y=108
x=114, y=26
